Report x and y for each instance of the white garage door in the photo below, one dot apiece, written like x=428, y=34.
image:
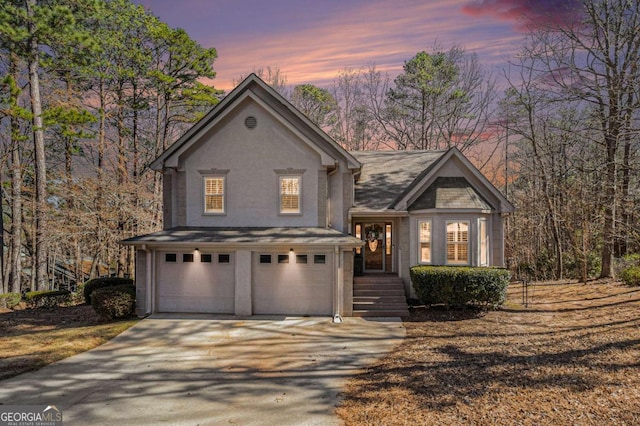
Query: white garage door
x=196, y=282
x=292, y=283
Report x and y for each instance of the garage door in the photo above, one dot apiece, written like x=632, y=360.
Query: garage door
x=196, y=282
x=292, y=283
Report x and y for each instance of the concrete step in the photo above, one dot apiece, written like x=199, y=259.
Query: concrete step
x=389, y=306
x=379, y=299
x=379, y=296
x=363, y=313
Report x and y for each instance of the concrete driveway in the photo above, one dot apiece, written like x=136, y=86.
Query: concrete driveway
x=206, y=370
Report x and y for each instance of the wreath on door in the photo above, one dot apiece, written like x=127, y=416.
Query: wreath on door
x=372, y=239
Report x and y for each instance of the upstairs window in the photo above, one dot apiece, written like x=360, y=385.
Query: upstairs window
x=214, y=194
x=290, y=194
x=458, y=243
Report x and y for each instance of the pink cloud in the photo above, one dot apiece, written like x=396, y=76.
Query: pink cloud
x=312, y=41
x=525, y=13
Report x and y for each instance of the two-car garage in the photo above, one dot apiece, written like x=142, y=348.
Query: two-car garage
x=287, y=283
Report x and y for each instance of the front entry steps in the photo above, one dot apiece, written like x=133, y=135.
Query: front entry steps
x=379, y=295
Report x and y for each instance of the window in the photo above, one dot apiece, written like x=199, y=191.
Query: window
x=424, y=232
x=458, y=243
x=283, y=258
x=483, y=242
x=387, y=238
x=289, y=194
x=265, y=258
x=187, y=257
x=301, y=258
x=170, y=257
x=214, y=194
x=319, y=259
x=205, y=258
x=359, y=236
x=224, y=258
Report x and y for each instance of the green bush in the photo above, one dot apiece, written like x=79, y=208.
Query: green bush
x=47, y=298
x=458, y=286
x=631, y=276
x=114, y=302
x=9, y=300
x=625, y=262
x=96, y=283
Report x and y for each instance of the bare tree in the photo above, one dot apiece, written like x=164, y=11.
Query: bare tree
x=593, y=61
x=273, y=76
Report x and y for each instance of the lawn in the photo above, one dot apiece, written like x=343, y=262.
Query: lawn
x=572, y=357
x=33, y=338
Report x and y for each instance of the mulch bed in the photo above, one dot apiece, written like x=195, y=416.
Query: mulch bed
x=571, y=357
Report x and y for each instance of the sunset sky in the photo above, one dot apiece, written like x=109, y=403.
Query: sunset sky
x=312, y=40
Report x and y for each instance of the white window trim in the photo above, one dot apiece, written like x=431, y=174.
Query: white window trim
x=430, y=222
x=224, y=195
x=481, y=261
x=446, y=257
x=290, y=176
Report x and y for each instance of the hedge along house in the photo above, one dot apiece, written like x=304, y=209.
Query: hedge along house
x=265, y=214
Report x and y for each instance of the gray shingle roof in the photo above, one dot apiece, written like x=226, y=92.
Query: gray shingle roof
x=450, y=193
x=246, y=235
x=387, y=175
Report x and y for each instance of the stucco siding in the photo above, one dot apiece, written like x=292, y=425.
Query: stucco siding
x=403, y=244
x=181, y=198
x=323, y=195
x=167, y=196
x=252, y=159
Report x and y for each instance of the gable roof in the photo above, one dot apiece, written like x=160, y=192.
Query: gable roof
x=263, y=94
x=450, y=193
x=387, y=174
x=395, y=180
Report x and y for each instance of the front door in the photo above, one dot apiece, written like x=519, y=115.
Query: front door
x=374, y=248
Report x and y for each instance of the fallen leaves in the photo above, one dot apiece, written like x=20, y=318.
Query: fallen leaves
x=571, y=357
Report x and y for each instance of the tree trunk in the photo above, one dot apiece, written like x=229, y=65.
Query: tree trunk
x=608, y=228
x=42, y=282
x=15, y=286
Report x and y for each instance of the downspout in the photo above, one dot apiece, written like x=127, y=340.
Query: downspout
x=339, y=287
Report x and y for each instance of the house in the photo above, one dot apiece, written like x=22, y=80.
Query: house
x=265, y=214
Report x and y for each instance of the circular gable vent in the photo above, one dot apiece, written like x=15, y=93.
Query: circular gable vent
x=250, y=122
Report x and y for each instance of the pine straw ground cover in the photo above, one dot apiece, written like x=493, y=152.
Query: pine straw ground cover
x=571, y=358
x=33, y=338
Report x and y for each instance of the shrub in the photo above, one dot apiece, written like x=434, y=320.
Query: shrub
x=96, y=283
x=625, y=262
x=9, y=300
x=115, y=301
x=458, y=286
x=631, y=276
x=47, y=298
